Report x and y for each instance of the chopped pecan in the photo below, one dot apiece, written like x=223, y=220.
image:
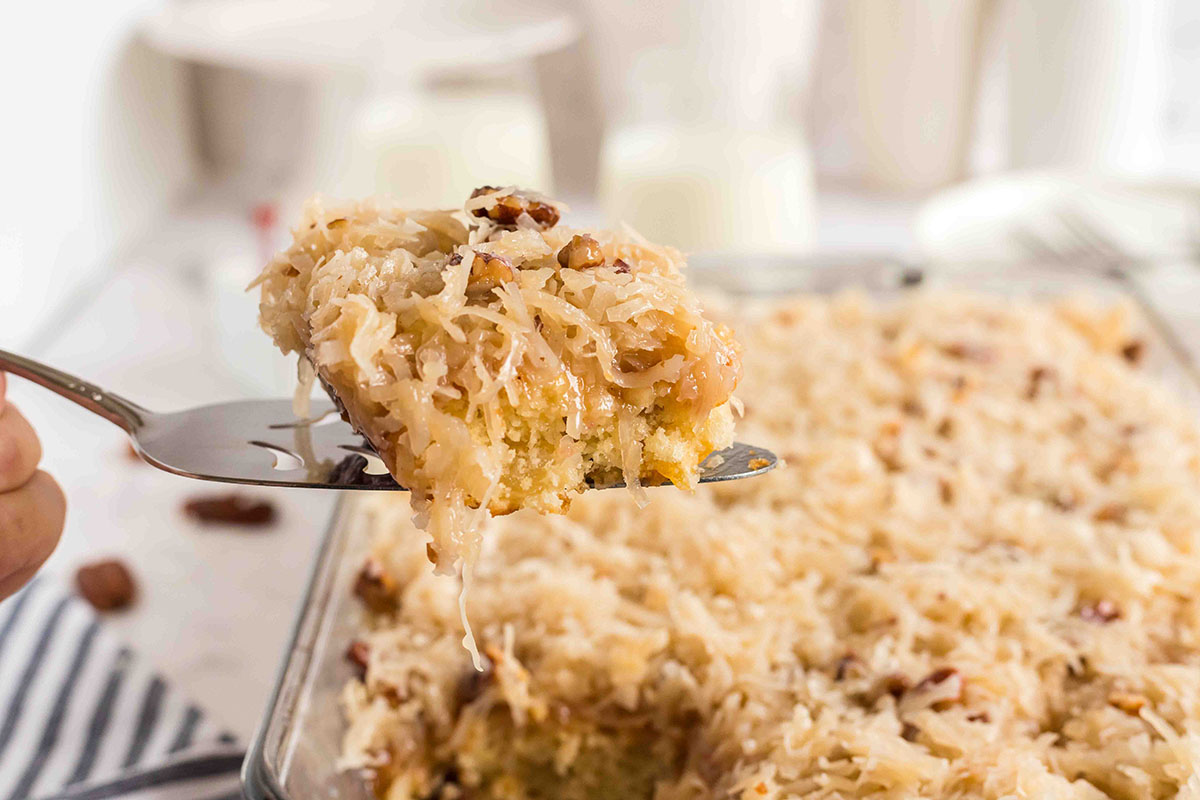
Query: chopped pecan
x=848, y=666
x=1111, y=512
x=509, y=207
x=938, y=690
x=620, y=265
x=472, y=683
x=1129, y=702
x=967, y=351
x=879, y=556
x=488, y=272
x=1133, y=351
x=938, y=676
x=107, y=585
x=1101, y=611
x=230, y=509
x=1038, y=376
x=482, y=190
x=895, y=684
x=447, y=788
x=376, y=588
x=582, y=252
x=357, y=654
x=1063, y=499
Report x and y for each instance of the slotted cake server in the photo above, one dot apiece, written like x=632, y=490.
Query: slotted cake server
x=260, y=442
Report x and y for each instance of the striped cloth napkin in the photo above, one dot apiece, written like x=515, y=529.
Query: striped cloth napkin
x=81, y=718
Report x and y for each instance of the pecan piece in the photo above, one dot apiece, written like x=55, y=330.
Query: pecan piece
x=230, y=509
x=1128, y=702
x=582, y=252
x=968, y=351
x=895, y=684
x=849, y=665
x=488, y=272
x=509, y=207
x=1133, y=351
x=620, y=265
x=1037, y=377
x=1111, y=512
x=1063, y=499
x=357, y=654
x=106, y=585
x=879, y=556
x=473, y=682
x=376, y=588
x=938, y=690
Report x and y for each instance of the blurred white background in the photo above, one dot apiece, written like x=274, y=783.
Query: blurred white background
x=777, y=126
x=153, y=154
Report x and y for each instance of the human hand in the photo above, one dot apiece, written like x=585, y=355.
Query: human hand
x=32, y=506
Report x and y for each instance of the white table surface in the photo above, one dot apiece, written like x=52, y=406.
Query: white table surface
x=217, y=604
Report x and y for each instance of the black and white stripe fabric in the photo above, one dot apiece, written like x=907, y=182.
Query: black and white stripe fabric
x=82, y=718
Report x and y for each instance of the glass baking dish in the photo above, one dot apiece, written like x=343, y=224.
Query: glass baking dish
x=294, y=754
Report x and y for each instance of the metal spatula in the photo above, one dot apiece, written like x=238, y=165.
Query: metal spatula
x=261, y=442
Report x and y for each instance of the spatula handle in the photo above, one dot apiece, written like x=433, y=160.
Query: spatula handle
x=112, y=407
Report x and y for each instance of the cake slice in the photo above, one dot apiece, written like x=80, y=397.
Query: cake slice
x=497, y=361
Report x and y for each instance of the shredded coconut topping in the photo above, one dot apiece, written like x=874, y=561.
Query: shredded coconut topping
x=955, y=587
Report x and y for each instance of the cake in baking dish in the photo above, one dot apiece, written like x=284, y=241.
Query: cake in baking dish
x=976, y=577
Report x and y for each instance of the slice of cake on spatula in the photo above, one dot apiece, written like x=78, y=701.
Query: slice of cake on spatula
x=497, y=361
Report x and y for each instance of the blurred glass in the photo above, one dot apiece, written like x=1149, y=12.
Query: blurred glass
x=710, y=188
x=702, y=150
x=1087, y=84
x=430, y=148
x=914, y=68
